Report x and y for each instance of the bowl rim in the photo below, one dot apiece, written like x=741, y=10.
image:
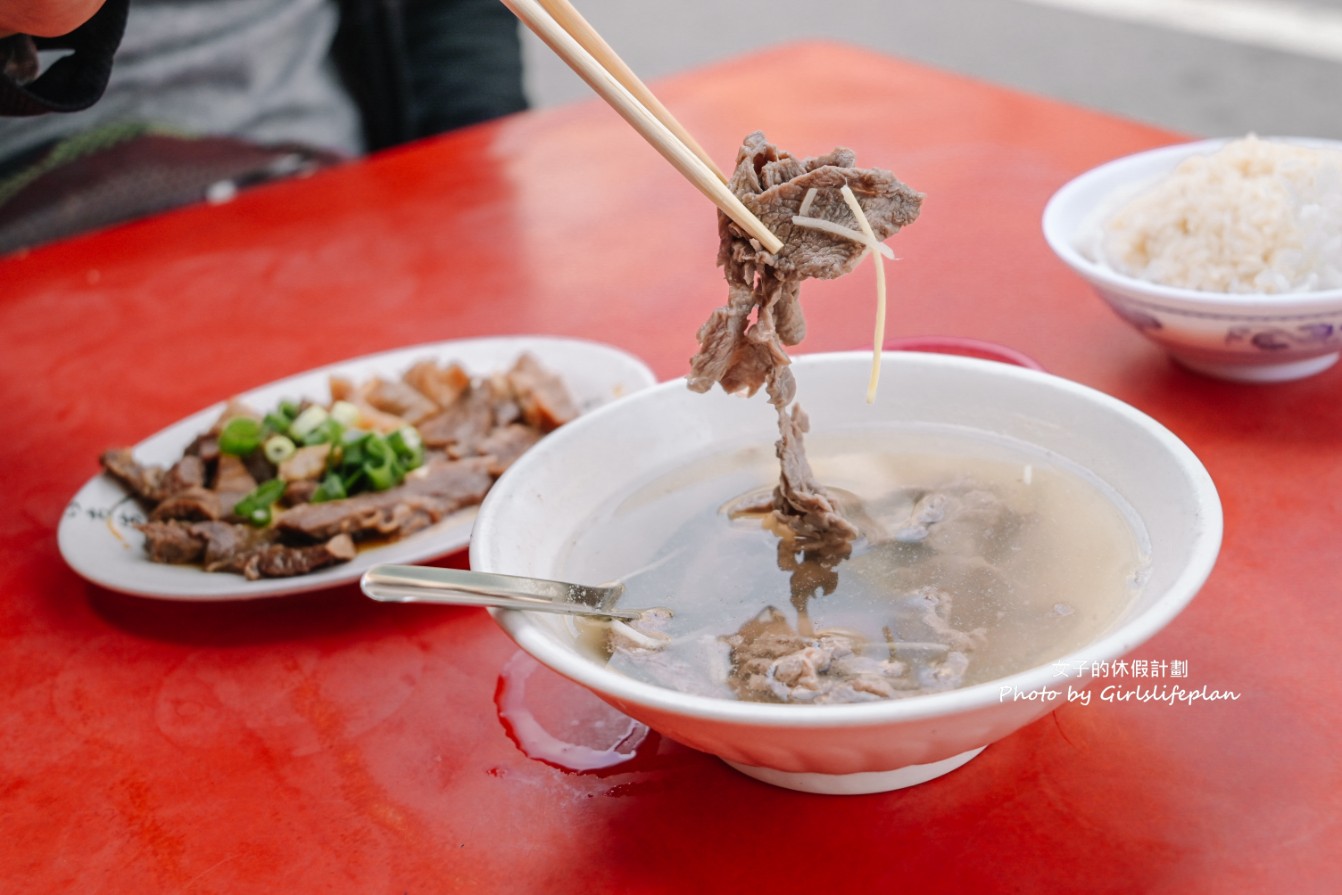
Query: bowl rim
x=622, y=690
x=962, y=346
x=1150, y=161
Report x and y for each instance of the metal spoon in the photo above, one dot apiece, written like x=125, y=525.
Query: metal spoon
x=426, y=584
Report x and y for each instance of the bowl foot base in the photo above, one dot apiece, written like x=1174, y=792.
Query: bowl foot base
x=859, y=783
x=1284, y=372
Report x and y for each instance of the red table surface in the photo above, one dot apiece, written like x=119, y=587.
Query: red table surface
x=323, y=743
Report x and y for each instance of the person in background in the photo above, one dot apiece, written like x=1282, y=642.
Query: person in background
x=116, y=109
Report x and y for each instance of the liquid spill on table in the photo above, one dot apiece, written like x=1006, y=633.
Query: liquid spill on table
x=554, y=721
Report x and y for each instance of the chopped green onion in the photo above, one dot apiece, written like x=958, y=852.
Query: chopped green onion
x=375, y=447
x=408, y=446
x=331, y=488
x=328, y=431
x=278, y=448
x=351, y=451
x=241, y=435
x=358, y=460
x=276, y=422
x=255, y=507
x=380, y=463
x=381, y=476
x=307, y=421
x=345, y=413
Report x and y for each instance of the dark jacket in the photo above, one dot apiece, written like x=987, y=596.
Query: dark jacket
x=421, y=67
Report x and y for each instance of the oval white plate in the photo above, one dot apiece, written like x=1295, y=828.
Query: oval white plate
x=96, y=533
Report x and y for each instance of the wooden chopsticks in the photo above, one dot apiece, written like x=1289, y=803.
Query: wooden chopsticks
x=565, y=31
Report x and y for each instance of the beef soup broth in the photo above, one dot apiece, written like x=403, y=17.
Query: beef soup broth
x=976, y=559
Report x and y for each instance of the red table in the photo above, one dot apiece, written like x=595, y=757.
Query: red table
x=323, y=743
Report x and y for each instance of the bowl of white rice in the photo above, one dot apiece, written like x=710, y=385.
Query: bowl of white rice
x=1227, y=253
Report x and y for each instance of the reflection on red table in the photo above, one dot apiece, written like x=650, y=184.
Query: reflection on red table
x=962, y=347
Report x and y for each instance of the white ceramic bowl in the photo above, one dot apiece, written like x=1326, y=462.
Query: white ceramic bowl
x=529, y=521
x=1247, y=338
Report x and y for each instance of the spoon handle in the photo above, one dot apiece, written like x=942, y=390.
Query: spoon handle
x=428, y=584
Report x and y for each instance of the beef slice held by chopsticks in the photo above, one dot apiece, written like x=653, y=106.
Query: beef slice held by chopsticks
x=741, y=346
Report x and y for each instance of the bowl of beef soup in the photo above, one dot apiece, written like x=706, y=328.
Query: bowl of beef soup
x=1014, y=529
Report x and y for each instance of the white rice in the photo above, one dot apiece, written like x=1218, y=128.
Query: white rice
x=1257, y=216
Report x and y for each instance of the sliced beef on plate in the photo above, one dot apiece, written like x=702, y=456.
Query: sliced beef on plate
x=192, y=504
x=233, y=481
x=427, y=495
x=505, y=444
x=188, y=472
x=460, y=427
x=544, y=401
x=172, y=542
x=144, y=481
x=399, y=399
x=441, y=385
x=285, y=560
x=472, y=430
x=235, y=547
